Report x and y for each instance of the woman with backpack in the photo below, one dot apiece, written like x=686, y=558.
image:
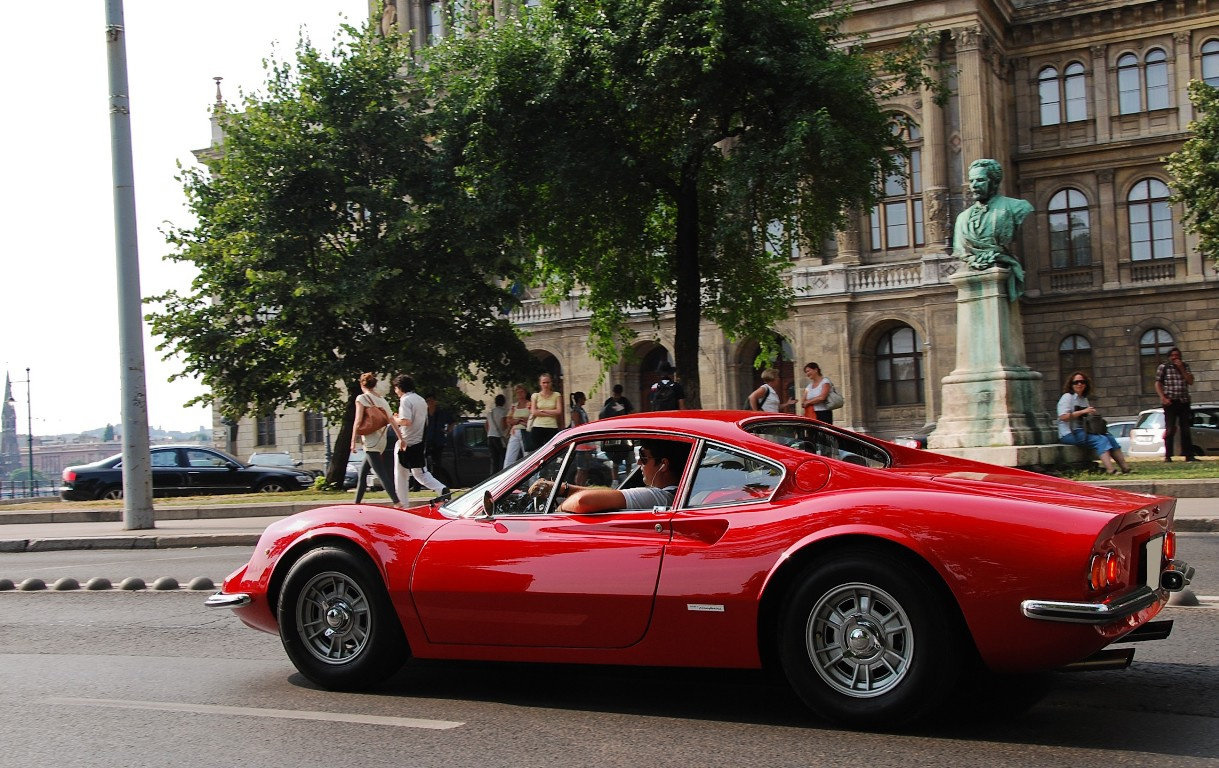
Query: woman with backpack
x=814, y=396
x=378, y=447
x=765, y=398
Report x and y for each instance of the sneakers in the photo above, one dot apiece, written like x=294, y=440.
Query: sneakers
x=1191, y=458
x=1168, y=459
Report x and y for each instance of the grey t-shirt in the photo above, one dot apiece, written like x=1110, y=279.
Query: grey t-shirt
x=647, y=497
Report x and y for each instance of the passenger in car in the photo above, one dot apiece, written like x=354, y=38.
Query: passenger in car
x=661, y=462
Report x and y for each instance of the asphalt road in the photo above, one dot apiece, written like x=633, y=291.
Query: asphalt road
x=150, y=678
x=127, y=679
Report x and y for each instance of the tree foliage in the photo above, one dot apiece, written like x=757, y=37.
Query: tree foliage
x=663, y=153
x=323, y=248
x=1195, y=171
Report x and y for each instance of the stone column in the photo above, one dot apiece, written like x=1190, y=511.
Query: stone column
x=1106, y=238
x=971, y=89
x=992, y=401
x=848, y=240
x=1181, y=61
x=1100, y=93
x=935, y=173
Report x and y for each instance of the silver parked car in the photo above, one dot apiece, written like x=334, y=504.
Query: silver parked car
x=1120, y=431
x=1147, y=436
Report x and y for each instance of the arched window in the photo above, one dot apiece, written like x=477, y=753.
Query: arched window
x=1047, y=89
x=899, y=367
x=1075, y=92
x=434, y=17
x=1075, y=354
x=897, y=223
x=1069, y=91
x=1129, y=85
x=1210, y=63
x=1153, y=350
x=1157, y=79
x=1150, y=221
x=1131, y=76
x=1070, y=234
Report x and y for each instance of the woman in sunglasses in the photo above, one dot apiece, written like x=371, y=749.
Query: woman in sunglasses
x=1073, y=406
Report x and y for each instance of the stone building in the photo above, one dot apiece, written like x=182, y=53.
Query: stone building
x=1079, y=100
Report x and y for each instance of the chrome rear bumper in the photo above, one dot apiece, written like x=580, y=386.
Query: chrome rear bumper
x=1175, y=578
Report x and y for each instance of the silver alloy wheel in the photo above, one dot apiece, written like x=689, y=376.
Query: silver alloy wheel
x=859, y=640
x=334, y=618
x=272, y=486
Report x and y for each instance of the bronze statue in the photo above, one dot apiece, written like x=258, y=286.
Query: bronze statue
x=985, y=230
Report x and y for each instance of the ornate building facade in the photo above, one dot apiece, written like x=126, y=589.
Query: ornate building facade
x=1079, y=100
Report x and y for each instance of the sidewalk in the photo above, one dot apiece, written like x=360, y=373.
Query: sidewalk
x=223, y=525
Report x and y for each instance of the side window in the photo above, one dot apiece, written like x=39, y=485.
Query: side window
x=165, y=459
x=204, y=459
x=727, y=476
x=1210, y=63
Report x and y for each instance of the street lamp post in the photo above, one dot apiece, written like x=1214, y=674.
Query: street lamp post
x=29, y=415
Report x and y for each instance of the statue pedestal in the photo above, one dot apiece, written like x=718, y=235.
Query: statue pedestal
x=992, y=401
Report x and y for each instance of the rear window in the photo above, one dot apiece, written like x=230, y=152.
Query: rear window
x=822, y=442
x=1151, y=420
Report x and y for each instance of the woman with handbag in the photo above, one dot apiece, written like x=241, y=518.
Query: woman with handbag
x=1073, y=412
x=814, y=397
x=378, y=447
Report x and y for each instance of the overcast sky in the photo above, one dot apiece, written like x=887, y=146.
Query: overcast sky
x=58, y=304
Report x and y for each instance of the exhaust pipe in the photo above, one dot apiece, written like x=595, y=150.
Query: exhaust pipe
x=1108, y=658
x=1177, y=577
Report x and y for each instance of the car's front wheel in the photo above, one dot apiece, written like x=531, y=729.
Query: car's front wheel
x=271, y=486
x=865, y=640
x=336, y=621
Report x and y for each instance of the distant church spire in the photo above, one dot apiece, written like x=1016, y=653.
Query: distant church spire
x=10, y=450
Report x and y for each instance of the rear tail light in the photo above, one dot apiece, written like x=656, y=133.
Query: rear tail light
x=1104, y=570
x=69, y=476
x=1170, y=546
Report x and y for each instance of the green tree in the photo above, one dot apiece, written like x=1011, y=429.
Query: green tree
x=108, y=435
x=1195, y=171
x=664, y=153
x=323, y=249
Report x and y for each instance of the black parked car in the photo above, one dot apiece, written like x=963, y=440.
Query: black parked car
x=181, y=470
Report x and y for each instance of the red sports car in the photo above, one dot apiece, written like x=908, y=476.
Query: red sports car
x=875, y=577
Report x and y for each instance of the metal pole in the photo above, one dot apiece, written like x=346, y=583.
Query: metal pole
x=137, y=462
x=29, y=427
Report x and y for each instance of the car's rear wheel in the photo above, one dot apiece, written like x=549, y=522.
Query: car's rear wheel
x=865, y=640
x=271, y=486
x=336, y=621
x=111, y=493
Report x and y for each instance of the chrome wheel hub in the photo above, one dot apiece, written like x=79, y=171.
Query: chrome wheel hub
x=859, y=640
x=333, y=618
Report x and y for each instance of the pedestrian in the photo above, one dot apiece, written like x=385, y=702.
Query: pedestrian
x=616, y=404
x=1073, y=406
x=765, y=398
x=412, y=451
x=517, y=422
x=378, y=447
x=666, y=394
x=814, y=395
x=1173, y=380
x=497, y=427
x=436, y=433
x=578, y=414
x=545, y=412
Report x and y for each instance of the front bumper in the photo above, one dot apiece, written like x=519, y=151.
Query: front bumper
x=1175, y=578
x=222, y=600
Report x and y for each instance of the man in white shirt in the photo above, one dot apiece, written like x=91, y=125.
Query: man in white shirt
x=412, y=453
x=662, y=463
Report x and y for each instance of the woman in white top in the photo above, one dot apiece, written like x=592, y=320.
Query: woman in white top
x=378, y=448
x=765, y=398
x=496, y=430
x=516, y=420
x=1072, y=407
x=813, y=396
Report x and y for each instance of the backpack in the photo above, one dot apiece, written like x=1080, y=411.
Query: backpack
x=663, y=396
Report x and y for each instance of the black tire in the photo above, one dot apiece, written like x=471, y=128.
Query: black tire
x=271, y=486
x=336, y=621
x=110, y=493
x=866, y=640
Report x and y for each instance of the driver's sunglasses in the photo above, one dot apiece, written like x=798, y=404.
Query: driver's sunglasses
x=644, y=459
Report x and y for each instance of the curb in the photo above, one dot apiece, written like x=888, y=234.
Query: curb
x=173, y=541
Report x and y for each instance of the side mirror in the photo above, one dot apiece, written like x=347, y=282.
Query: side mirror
x=488, y=503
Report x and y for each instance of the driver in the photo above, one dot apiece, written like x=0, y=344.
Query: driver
x=661, y=462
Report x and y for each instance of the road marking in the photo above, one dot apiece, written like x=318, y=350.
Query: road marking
x=285, y=714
